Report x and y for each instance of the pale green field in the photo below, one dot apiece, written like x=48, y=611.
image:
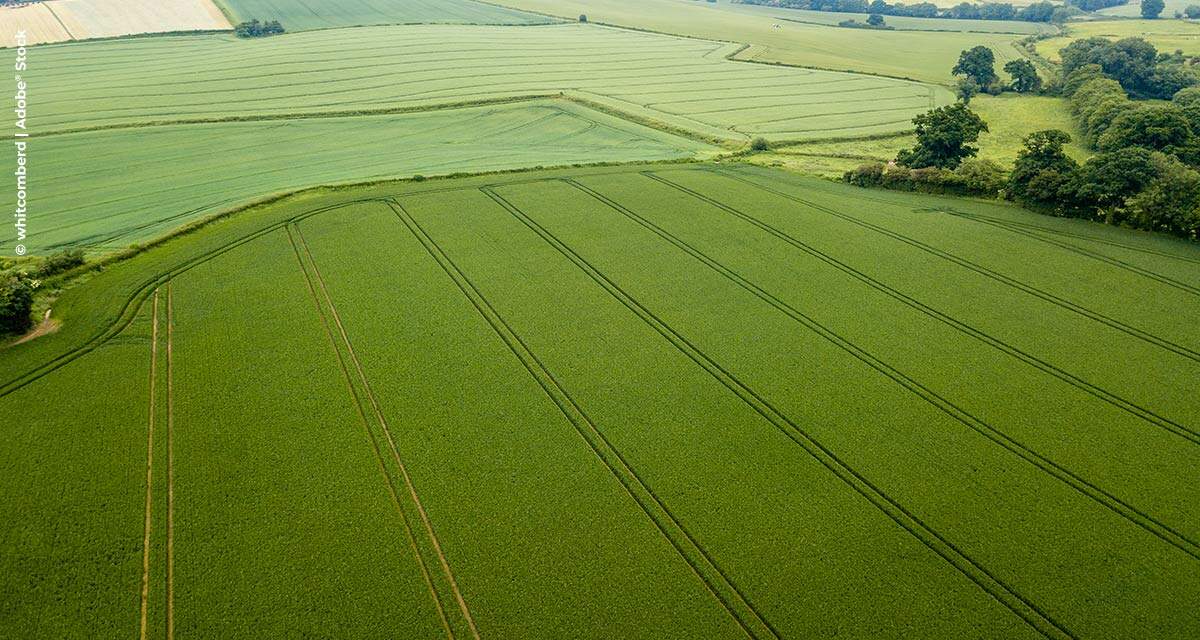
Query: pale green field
x=1134, y=9
x=1010, y=118
x=897, y=22
x=1166, y=35
x=927, y=57
x=681, y=82
x=171, y=175
x=300, y=15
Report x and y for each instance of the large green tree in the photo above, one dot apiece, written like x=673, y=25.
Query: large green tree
x=1025, y=77
x=978, y=64
x=1171, y=202
x=943, y=137
x=1042, y=168
x=1106, y=180
x=1152, y=8
x=1159, y=127
x=1133, y=62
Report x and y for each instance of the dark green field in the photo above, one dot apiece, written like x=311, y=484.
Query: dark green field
x=661, y=401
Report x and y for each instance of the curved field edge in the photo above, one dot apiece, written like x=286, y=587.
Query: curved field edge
x=185, y=172
x=101, y=299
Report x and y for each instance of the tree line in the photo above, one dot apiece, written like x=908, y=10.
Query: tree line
x=1036, y=12
x=256, y=29
x=1140, y=110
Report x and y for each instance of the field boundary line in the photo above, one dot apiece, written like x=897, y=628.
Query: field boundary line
x=751, y=622
x=957, y=413
x=71, y=37
x=357, y=402
x=1120, y=264
x=153, y=405
x=307, y=115
x=445, y=565
x=977, y=573
x=170, y=463
x=982, y=270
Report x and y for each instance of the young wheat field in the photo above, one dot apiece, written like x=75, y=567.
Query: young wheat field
x=616, y=402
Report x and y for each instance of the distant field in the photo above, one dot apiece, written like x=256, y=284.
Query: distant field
x=927, y=57
x=1134, y=9
x=60, y=20
x=898, y=22
x=680, y=82
x=37, y=20
x=702, y=401
x=1165, y=35
x=300, y=15
x=1011, y=117
x=171, y=175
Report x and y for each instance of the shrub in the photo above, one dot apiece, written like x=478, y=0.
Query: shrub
x=760, y=144
x=16, y=303
x=982, y=176
x=583, y=17
x=867, y=175
x=62, y=261
x=256, y=29
x=899, y=178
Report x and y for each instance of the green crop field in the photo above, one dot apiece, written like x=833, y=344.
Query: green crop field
x=542, y=319
x=896, y=22
x=302, y=15
x=927, y=57
x=213, y=167
x=1166, y=35
x=1010, y=117
x=668, y=401
x=314, y=108
x=685, y=83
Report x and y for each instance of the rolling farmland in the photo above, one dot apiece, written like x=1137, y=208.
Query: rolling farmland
x=678, y=400
x=683, y=83
x=215, y=167
x=917, y=55
x=330, y=110
x=302, y=15
x=491, y=319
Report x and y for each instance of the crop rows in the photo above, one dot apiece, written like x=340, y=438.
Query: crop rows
x=324, y=71
x=627, y=403
x=173, y=174
x=300, y=15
